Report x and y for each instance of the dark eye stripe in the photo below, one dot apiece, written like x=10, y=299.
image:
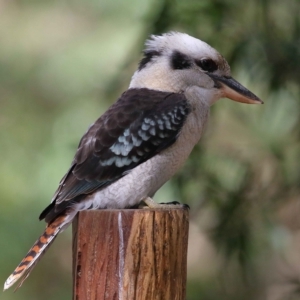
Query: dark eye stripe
x=148, y=56
x=180, y=61
x=207, y=65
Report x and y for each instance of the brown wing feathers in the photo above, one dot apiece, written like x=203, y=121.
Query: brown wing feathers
x=138, y=126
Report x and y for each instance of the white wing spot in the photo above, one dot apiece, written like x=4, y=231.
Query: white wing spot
x=139, y=152
x=122, y=161
x=136, y=142
x=108, y=162
x=135, y=158
x=126, y=132
x=145, y=126
x=143, y=135
x=168, y=124
x=121, y=148
x=152, y=131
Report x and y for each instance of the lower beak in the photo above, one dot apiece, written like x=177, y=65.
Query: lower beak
x=233, y=90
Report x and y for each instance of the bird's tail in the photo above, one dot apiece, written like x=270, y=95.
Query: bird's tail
x=24, y=269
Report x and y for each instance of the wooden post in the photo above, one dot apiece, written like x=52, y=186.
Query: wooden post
x=134, y=254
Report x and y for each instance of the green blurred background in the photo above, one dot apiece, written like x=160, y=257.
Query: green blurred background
x=62, y=63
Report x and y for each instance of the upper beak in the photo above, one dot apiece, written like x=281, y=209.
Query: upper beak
x=234, y=90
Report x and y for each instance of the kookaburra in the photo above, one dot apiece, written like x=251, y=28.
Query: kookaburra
x=143, y=138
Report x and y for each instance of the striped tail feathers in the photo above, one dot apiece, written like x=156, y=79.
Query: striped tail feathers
x=39, y=248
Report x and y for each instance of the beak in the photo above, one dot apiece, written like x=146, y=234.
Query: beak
x=233, y=90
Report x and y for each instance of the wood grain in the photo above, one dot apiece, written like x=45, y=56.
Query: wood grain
x=134, y=254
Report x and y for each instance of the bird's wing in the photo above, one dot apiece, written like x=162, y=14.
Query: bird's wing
x=138, y=126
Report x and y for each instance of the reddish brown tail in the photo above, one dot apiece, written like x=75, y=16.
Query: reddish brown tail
x=24, y=269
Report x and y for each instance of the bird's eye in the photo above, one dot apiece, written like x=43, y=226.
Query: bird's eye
x=207, y=65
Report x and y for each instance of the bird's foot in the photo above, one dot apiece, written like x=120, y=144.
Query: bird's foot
x=150, y=203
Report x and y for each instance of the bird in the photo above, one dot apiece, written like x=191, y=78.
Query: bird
x=144, y=138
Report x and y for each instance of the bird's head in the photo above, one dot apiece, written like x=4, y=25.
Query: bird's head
x=174, y=62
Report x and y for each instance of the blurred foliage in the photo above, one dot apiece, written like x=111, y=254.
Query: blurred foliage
x=63, y=62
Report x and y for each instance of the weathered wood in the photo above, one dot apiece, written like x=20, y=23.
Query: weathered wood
x=137, y=254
